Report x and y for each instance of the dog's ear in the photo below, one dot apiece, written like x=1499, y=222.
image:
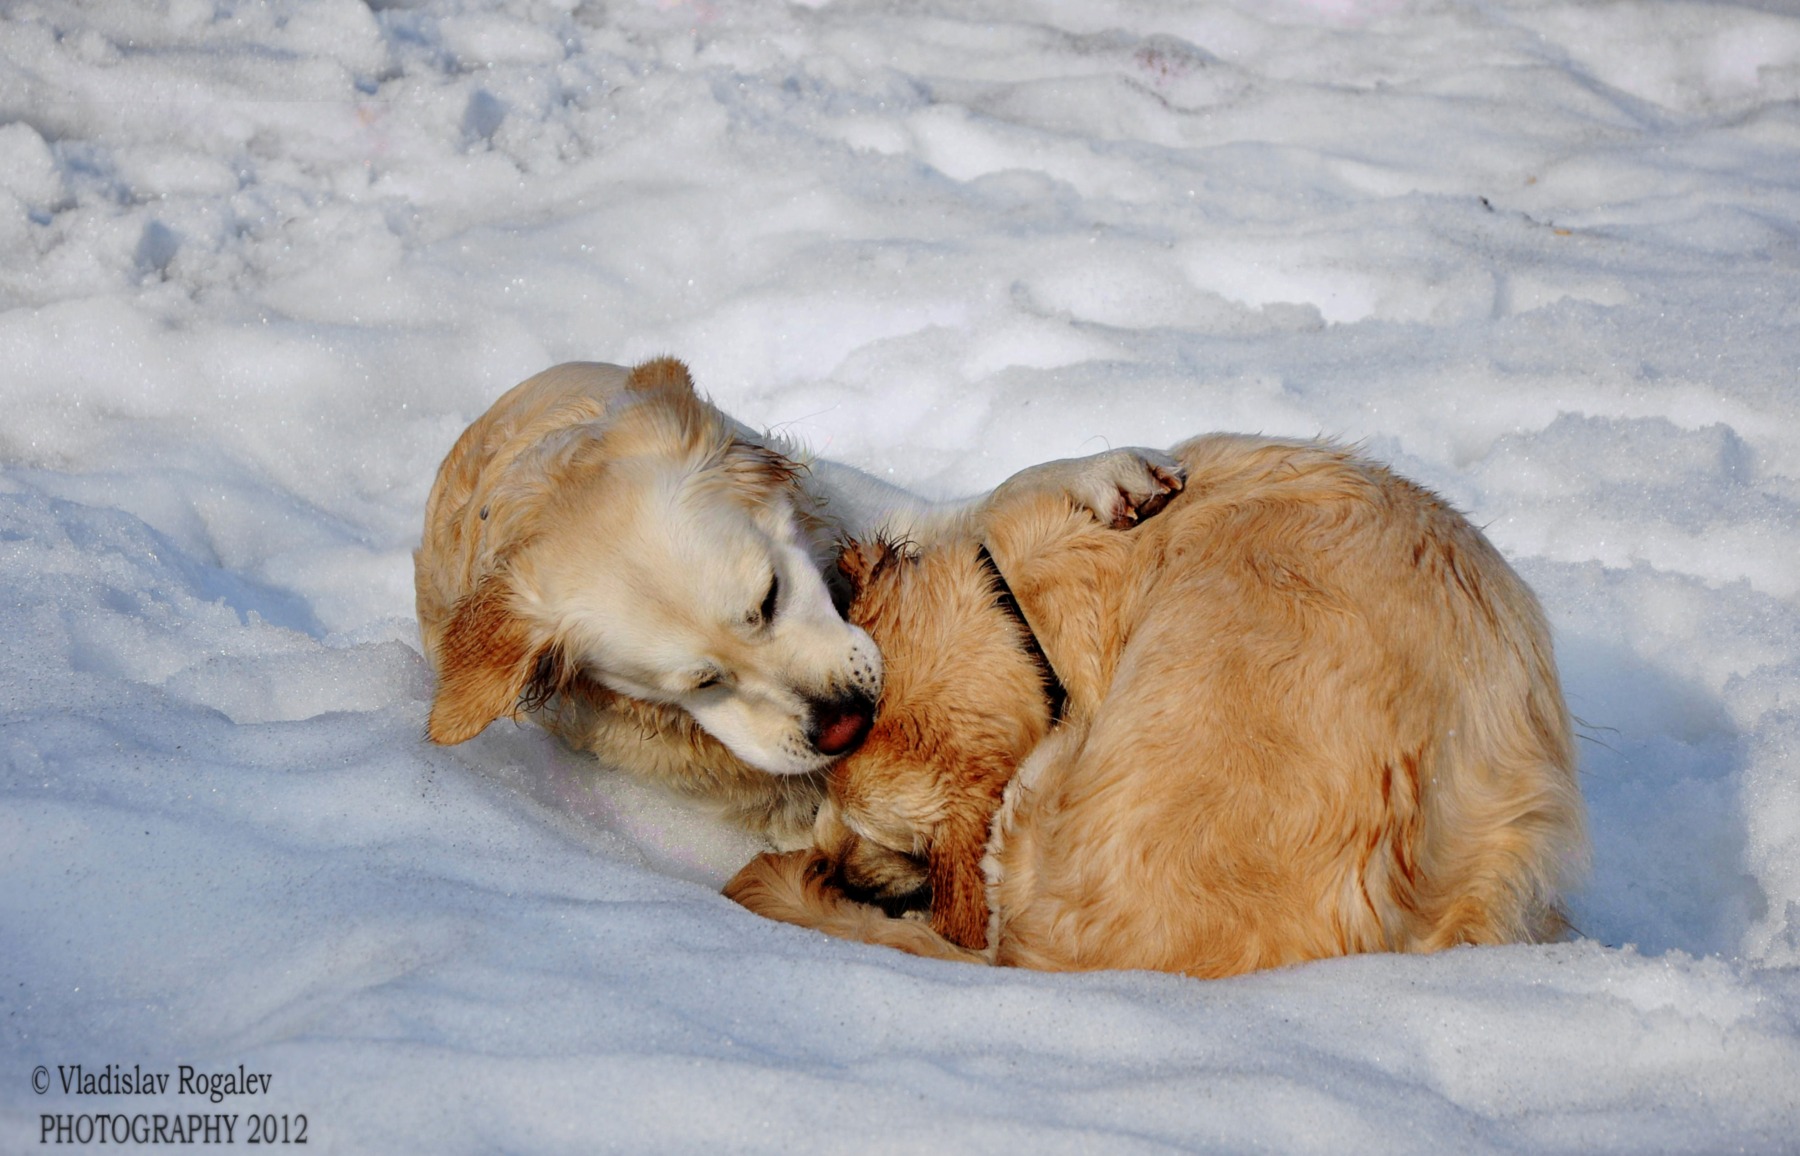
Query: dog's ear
x=860, y=561
x=661, y=373
x=669, y=412
x=484, y=663
x=959, y=910
x=758, y=469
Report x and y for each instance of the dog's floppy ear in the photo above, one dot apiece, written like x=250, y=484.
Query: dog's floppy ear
x=486, y=658
x=758, y=468
x=661, y=373
x=864, y=560
x=860, y=561
x=669, y=412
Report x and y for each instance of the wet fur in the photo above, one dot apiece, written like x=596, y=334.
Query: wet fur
x=1311, y=712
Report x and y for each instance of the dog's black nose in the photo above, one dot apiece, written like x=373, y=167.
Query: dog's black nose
x=839, y=725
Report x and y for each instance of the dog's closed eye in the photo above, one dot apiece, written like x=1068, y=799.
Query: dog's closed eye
x=765, y=614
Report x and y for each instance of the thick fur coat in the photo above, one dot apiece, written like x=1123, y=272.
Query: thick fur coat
x=1311, y=712
x=606, y=552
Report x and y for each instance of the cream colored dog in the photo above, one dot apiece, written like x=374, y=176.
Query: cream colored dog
x=608, y=553
x=1310, y=711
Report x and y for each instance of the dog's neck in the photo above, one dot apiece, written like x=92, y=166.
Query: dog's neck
x=1055, y=694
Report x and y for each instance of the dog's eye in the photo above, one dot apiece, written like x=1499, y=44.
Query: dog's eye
x=765, y=613
x=708, y=676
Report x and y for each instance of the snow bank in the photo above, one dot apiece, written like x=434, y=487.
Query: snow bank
x=260, y=262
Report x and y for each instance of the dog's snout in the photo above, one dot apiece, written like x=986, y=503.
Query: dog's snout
x=840, y=724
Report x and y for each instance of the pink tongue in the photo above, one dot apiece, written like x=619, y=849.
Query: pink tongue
x=841, y=733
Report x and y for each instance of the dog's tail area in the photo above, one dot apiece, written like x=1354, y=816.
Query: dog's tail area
x=795, y=887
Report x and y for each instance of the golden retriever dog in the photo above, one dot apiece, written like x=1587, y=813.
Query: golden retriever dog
x=608, y=553
x=1309, y=711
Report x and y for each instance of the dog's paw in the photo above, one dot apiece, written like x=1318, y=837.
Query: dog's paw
x=1119, y=487
x=1123, y=487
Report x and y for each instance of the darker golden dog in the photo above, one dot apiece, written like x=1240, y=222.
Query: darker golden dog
x=1310, y=711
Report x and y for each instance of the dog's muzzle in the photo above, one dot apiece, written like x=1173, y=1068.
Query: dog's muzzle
x=840, y=724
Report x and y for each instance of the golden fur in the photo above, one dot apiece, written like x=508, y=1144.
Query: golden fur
x=606, y=552
x=1311, y=711
x=559, y=576
x=963, y=692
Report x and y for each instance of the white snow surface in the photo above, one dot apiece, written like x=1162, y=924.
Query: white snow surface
x=262, y=260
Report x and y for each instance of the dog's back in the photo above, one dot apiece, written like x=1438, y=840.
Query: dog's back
x=1314, y=713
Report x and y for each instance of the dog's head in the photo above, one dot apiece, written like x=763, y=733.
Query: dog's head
x=966, y=691
x=964, y=702
x=658, y=554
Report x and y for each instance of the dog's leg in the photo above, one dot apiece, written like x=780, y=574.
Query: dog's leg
x=794, y=887
x=1119, y=487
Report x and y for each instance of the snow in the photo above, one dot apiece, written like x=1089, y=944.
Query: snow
x=262, y=260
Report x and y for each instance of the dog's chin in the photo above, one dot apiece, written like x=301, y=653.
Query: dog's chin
x=780, y=762
x=830, y=729
x=787, y=751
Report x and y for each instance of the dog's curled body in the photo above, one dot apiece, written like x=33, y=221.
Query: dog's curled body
x=1311, y=712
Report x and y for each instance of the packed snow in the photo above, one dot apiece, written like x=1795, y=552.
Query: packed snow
x=262, y=260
